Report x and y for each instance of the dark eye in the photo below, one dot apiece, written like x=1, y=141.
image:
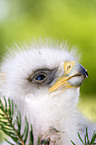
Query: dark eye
x=40, y=77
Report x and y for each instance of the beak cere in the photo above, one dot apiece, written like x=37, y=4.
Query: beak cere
x=74, y=75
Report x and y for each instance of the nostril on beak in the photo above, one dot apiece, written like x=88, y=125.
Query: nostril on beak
x=69, y=66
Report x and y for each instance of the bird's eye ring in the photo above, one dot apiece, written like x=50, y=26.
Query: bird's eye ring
x=40, y=77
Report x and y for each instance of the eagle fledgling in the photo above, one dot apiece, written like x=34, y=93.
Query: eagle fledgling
x=44, y=81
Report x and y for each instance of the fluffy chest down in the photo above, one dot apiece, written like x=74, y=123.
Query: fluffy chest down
x=54, y=117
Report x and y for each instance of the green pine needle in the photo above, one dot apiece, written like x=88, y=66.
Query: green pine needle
x=86, y=139
x=8, y=123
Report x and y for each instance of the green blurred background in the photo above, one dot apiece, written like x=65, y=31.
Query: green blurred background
x=71, y=20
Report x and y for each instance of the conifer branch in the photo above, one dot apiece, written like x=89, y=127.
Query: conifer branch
x=86, y=139
x=10, y=124
x=12, y=127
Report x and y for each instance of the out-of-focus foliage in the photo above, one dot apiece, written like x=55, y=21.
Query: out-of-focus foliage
x=71, y=20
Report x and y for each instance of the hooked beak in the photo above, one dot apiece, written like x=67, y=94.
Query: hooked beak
x=74, y=75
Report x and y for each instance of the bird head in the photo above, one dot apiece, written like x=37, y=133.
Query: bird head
x=42, y=72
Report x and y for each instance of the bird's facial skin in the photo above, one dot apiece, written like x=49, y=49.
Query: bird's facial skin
x=73, y=77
